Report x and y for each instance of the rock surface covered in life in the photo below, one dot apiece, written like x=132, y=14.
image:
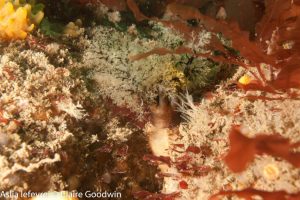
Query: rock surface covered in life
x=140, y=99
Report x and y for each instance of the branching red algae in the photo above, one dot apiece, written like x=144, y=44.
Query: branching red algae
x=281, y=51
x=243, y=149
x=249, y=193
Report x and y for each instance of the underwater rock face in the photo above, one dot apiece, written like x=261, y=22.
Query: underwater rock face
x=137, y=99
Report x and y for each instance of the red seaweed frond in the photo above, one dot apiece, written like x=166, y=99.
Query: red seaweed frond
x=83, y=2
x=277, y=43
x=145, y=195
x=118, y=5
x=229, y=29
x=158, y=159
x=125, y=112
x=249, y=193
x=186, y=163
x=194, y=3
x=2, y=118
x=279, y=36
x=243, y=149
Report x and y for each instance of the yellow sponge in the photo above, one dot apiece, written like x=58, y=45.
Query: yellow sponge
x=245, y=80
x=15, y=22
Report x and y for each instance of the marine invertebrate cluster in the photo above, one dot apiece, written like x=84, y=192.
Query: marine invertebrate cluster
x=279, y=54
x=274, y=69
x=36, y=100
x=214, y=119
x=73, y=29
x=17, y=20
x=48, y=107
x=122, y=80
x=209, y=123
